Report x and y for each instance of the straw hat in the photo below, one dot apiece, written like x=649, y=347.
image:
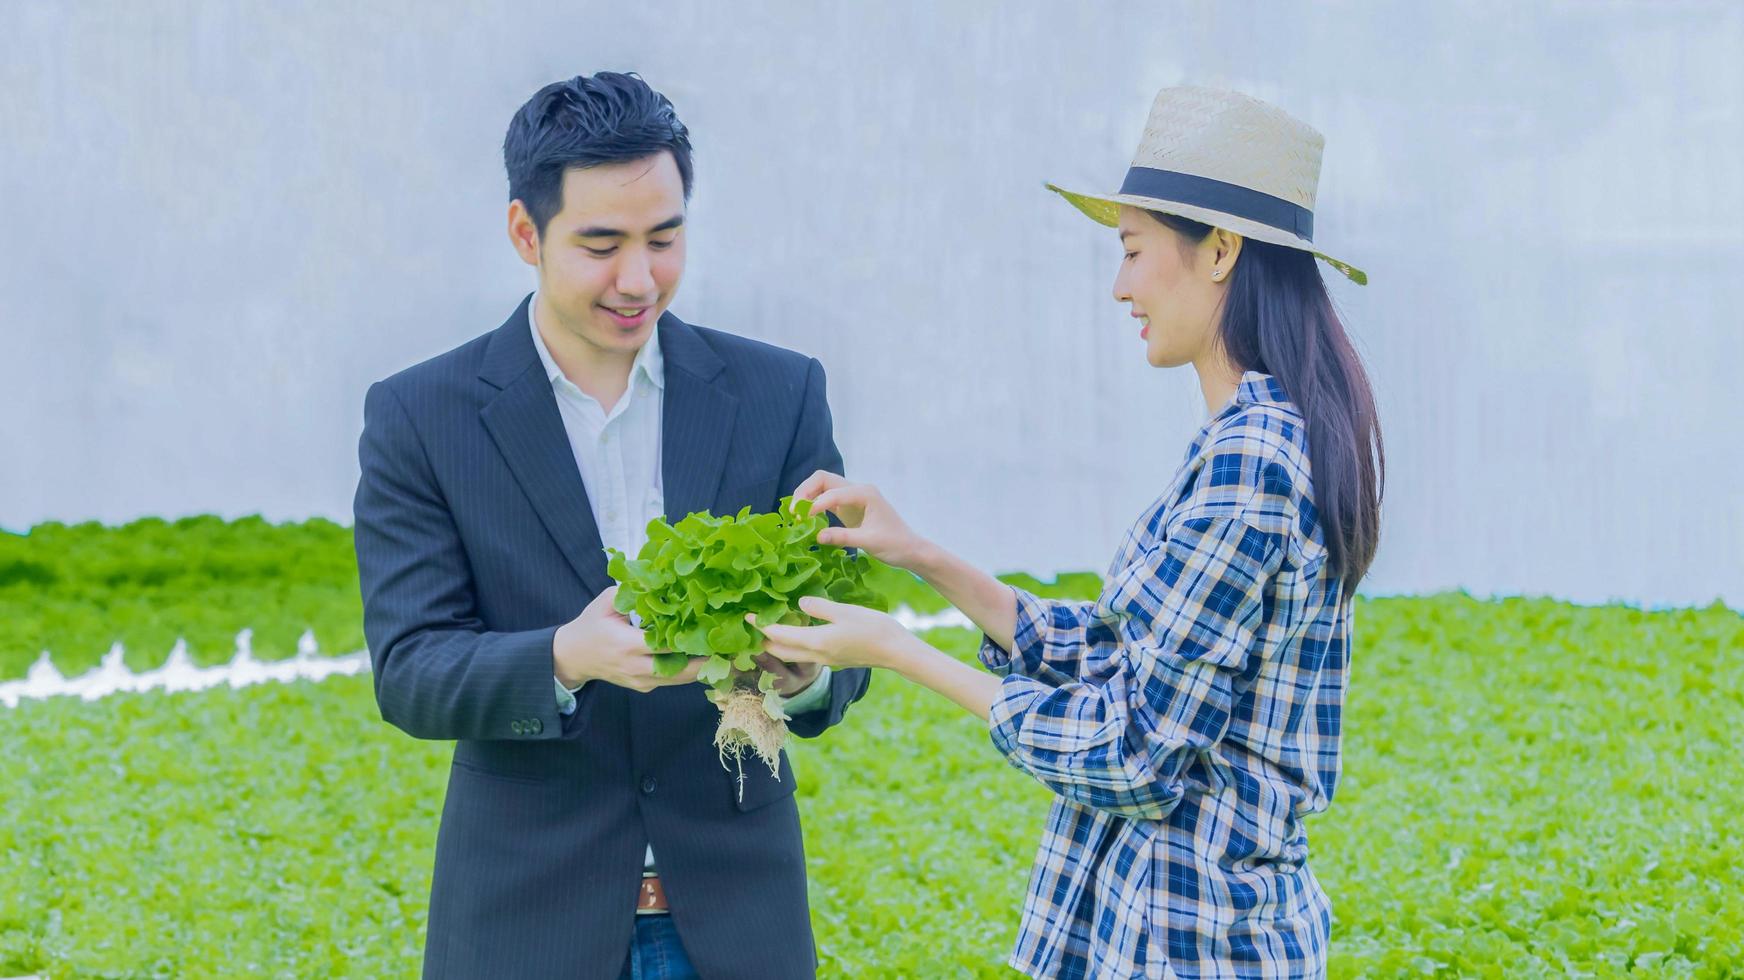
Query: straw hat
x=1227, y=160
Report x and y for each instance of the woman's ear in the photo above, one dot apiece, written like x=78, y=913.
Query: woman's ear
x=1225, y=249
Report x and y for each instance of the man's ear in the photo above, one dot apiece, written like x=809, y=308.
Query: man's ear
x=523, y=233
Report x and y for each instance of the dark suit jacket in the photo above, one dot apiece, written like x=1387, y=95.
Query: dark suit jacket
x=475, y=541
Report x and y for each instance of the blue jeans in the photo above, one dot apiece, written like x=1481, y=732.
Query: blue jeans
x=655, y=953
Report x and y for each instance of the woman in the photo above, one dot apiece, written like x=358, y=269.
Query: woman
x=1189, y=718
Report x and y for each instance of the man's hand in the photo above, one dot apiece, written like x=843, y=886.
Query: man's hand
x=790, y=679
x=600, y=644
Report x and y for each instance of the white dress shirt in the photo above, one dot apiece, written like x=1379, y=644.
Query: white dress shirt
x=618, y=454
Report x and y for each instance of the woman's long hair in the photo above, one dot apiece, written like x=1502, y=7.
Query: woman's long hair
x=1278, y=319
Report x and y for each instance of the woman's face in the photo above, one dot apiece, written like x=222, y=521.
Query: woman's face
x=1169, y=285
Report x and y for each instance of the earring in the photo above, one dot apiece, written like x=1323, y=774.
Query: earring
x=1217, y=273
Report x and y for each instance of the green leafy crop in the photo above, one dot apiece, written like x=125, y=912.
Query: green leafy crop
x=1530, y=789
x=694, y=582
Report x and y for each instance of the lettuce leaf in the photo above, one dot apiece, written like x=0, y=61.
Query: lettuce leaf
x=693, y=583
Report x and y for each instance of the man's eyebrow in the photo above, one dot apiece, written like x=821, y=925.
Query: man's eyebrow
x=1125, y=232
x=597, y=231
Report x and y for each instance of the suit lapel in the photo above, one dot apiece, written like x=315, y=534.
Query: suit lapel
x=524, y=423
x=697, y=420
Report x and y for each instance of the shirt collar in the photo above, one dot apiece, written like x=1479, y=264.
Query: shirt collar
x=649, y=361
x=1259, y=389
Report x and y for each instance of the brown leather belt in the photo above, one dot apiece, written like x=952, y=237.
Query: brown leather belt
x=651, y=900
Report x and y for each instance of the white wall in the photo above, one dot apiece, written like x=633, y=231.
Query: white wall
x=219, y=222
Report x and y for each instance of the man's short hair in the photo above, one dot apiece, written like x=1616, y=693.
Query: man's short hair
x=587, y=121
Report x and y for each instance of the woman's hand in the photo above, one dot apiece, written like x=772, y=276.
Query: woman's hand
x=852, y=636
x=869, y=522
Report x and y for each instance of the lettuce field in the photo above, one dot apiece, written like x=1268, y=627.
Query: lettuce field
x=1531, y=788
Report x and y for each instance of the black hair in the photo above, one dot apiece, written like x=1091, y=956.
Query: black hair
x=1278, y=319
x=585, y=121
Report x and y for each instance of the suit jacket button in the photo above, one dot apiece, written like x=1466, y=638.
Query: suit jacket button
x=534, y=726
x=648, y=784
x=518, y=728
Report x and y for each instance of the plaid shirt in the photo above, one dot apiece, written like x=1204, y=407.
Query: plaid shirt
x=1187, y=720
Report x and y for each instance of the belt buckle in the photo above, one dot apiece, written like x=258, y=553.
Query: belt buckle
x=651, y=898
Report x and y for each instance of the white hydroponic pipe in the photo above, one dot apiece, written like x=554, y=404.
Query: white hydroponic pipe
x=179, y=673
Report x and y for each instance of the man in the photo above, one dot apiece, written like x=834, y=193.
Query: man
x=590, y=829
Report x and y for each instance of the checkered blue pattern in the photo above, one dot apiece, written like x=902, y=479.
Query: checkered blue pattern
x=1187, y=721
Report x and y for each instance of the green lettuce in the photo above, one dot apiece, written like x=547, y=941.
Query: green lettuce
x=694, y=582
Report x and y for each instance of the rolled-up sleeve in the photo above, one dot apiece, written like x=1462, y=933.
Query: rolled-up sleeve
x=1052, y=641
x=1170, y=634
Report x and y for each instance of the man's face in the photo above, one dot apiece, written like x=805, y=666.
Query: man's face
x=610, y=261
